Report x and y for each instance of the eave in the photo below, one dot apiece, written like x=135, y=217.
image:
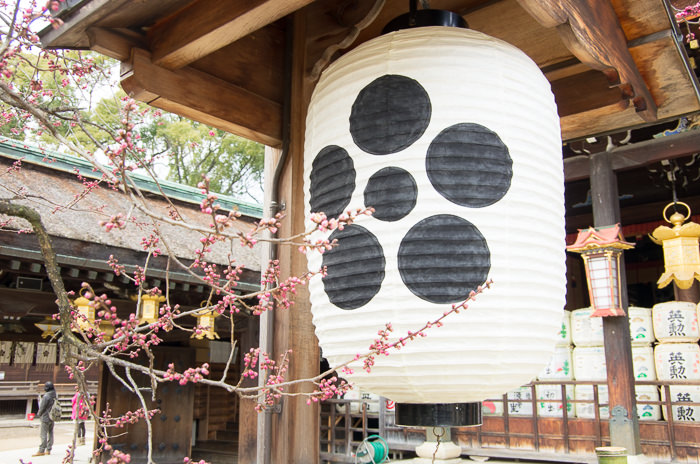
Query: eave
x=613, y=64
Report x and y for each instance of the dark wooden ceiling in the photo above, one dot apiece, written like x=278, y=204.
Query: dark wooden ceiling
x=613, y=64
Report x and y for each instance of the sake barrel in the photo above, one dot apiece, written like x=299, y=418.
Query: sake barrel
x=641, y=325
x=559, y=366
x=676, y=322
x=564, y=338
x=643, y=363
x=647, y=412
x=586, y=330
x=371, y=400
x=677, y=361
x=546, y=407
x=492, y=407
x=520, y=402
x=359, y=397
x=589, y=363
x=354, y=406
x=681, y=394
x=587, y=410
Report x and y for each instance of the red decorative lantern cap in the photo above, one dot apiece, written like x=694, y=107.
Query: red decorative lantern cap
x=602, y=237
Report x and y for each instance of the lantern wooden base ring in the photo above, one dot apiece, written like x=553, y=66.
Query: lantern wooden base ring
x=438, y=415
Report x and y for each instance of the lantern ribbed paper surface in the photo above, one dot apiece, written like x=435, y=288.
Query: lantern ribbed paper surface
x=453, y=137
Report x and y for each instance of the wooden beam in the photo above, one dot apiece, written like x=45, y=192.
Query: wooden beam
x=592, y=31
x=199, y=96
x=205, y=26
x=586, y=91
x=638, y=154
x=113, y=43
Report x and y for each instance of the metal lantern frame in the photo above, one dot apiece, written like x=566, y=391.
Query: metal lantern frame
x=148, y=310
x=206, y=320
x=48, y=326
x=681, y=248
x=107, y=328
x=86, y=311
x=601, y=249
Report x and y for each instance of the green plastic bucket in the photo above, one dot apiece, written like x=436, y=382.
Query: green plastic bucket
x=611, y=455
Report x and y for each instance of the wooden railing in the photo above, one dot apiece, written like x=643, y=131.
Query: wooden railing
x=564, y=439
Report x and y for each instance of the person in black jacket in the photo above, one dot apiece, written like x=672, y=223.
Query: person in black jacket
x=46, y=431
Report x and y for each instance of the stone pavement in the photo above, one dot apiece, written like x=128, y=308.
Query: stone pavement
x=19, y=439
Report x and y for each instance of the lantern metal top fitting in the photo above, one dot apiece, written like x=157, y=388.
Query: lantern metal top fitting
x=601, y=249
x=680, y=243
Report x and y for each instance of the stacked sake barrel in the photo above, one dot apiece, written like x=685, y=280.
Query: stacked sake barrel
x=370, y=399
x=589, y=361
x=559, y=368
x=677, y=355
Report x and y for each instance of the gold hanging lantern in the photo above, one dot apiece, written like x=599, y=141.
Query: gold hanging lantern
x=681, y=253
x=107, y=329
x=149, y=308
x=86, y=311
x=601, y=249
x=206, y=324
x=48, y=326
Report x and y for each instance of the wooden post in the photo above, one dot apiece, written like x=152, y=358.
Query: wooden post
x=295, y=428
x=624, y=425
x=691, y=294
x=247, y=415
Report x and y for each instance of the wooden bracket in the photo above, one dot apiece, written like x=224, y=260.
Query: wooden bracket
x=202, y=97
x=592, y=31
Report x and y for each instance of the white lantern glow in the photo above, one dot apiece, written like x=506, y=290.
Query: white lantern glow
x=453, y=137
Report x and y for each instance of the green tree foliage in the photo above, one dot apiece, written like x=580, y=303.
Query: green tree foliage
x=89, y=106
x=233, y=164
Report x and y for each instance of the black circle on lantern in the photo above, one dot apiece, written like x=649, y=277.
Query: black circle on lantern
x=442, y=258
x=332, y=181
x=469, y=165
x=438, y=415
x=424, y=18
x=392, y=192
x=389, y=114
x=355, y=267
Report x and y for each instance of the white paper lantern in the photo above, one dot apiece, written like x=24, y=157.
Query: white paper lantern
x=453, y=137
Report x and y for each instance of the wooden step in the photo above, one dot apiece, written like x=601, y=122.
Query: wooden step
x=215, y=457
x=219, y=446
x=227, y=435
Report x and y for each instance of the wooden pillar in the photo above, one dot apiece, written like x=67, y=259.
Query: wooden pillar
x=691, y=294
x=295, y=428
x=247, y=415
x=624, y=425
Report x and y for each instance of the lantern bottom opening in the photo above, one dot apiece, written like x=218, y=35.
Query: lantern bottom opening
x=438, y=415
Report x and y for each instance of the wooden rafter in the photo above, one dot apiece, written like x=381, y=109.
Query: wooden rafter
x=638, y=154
x=592, y=31
x=204, y=98
x=113, y=43
x=205, y=26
